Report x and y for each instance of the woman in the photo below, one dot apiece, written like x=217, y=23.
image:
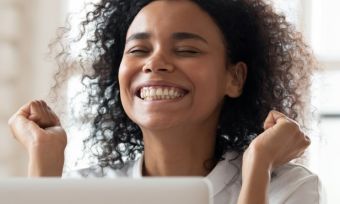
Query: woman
x=200, y=88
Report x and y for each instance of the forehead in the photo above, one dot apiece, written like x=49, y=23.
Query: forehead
x=168, y=16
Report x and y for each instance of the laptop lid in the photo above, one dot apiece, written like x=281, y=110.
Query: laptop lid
x=156, y=190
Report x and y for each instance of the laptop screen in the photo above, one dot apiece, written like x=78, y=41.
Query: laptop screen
x=185, y=190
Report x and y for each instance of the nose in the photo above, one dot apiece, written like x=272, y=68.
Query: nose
x=157, y=64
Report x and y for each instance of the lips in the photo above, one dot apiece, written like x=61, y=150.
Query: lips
x=152, y=92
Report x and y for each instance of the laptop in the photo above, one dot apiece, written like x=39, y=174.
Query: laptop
x=156, y=190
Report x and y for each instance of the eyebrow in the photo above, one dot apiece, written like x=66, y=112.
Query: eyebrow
x=188, y=36
x=176, y=36
x=138, y=36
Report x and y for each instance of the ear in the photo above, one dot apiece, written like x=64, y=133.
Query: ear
x=237, y=78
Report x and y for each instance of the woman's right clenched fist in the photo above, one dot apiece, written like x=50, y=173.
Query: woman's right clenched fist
x=38, y=128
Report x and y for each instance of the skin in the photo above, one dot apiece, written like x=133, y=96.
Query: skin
x=38, y=129
x=179, y=135
x=162, y=59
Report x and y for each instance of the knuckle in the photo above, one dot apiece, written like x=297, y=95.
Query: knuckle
x=41, y=103
x=286, y=124
x=44, y=103
x=292, y=126
x=35, y=103
x=307, y=141
x=274, y=111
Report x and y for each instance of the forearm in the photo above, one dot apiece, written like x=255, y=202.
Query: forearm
x=282, y=141
x=39, y=130
x=255, y=186
x=256, y=171
x=42, y=164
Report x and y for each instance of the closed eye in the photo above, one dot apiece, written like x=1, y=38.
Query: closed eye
x=187, y=52
x=138, y=51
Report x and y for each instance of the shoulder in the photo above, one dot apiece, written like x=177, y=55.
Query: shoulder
x=95, y=171
x=294, y=183
x=292, y=172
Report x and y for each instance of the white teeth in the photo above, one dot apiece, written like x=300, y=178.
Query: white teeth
x=166, y=92
x=152, y=92
x=171, y=92
x=160, y=93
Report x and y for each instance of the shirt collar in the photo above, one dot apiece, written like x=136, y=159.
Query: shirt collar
x=223, y=174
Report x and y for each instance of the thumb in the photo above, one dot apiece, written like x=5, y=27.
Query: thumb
x=24, y=111
x=273, y=118
x=23, y=129
x=39, y=112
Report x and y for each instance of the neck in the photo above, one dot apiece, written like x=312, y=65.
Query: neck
x=181, y=152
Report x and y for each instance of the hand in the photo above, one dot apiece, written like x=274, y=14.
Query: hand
x=38, y=129
x=282, y=141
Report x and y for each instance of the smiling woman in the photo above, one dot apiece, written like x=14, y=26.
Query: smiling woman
x=180, y=61
x=197, y=88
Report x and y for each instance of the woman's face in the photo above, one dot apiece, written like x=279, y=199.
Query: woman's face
x=174, y=69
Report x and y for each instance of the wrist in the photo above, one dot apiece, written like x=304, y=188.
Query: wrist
x=40, y=169
x=45, y=164
x=256, y=158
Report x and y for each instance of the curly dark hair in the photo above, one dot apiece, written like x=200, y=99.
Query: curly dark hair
x=280, y=66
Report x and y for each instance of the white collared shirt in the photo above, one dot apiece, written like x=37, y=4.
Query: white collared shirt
x=290, y=183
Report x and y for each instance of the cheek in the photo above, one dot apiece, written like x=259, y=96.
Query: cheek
x=212, y=77
x=123, y=71
x=124, y=79
x=210, y=82
x=125, y=75
x=128, y=69
x=128, y=72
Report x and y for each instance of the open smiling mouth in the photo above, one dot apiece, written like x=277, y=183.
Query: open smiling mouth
x=156, y=93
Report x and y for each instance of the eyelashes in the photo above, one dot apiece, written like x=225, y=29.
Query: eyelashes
x=177, y=51
x=138, y=52
x=188, y=52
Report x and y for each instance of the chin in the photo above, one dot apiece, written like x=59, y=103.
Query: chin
x=156, y=124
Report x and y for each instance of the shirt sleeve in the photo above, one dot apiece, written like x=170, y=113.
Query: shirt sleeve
x=310, y=191
x=295, y=184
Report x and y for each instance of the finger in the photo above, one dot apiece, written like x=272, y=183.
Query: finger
x=39, y=115
x=36, y=112
x=56, y=120
x=24, y=110
x=48, y=117
x=305, y=140
x=47, y=120
x=302, y=143
x=273, y=118
x=53, y=118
